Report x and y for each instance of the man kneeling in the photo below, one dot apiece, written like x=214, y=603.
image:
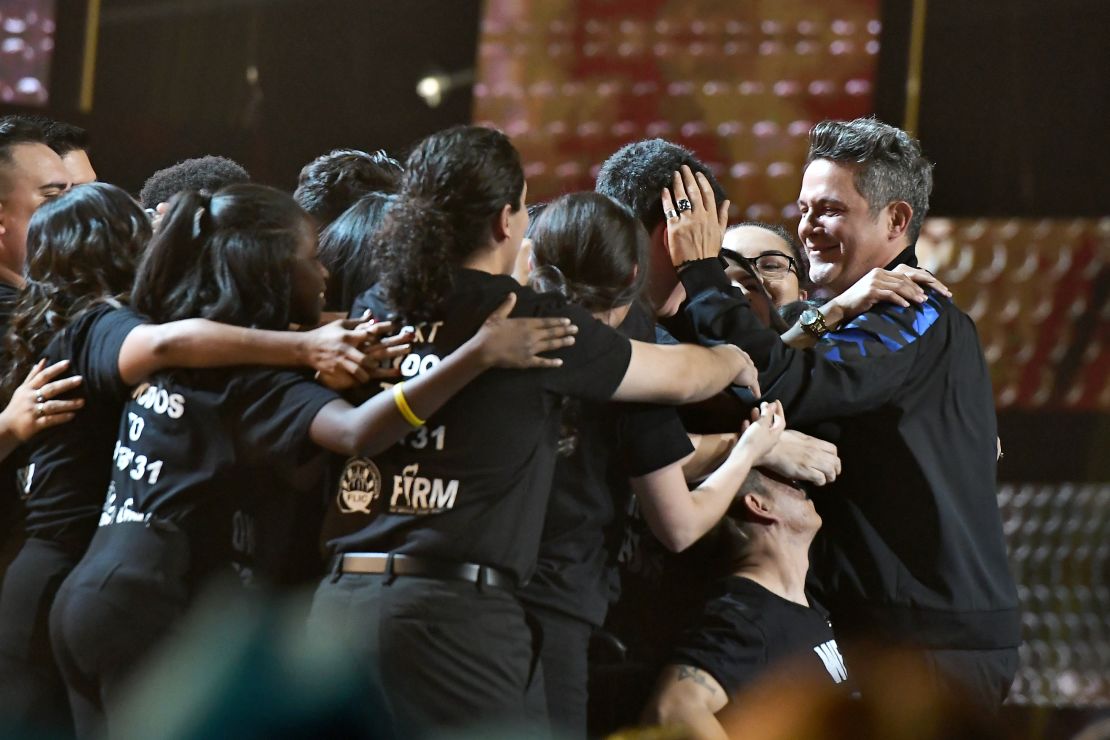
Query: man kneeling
x=756, y=617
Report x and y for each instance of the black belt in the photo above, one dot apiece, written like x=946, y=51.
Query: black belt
x=372, y=563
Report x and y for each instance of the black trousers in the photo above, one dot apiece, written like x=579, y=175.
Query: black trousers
x=32, y=692
x=119, y=603
x=450, y=654
x=564, y=656
x=982, y=677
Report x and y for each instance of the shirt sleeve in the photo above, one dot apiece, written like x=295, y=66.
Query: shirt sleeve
x=727, y=646
x=651, y=438
x=279, y=410
x=853, y=370
x=594, y=366
x=98, y=360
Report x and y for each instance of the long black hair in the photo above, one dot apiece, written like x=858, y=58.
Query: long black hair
x=226, y=257
x=82, y=248
x=456, y=182
x=598, y=246
x=346, y=250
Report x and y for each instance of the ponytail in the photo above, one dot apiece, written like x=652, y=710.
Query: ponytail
x=163, y=271
x=416, y=248
x=226, y=257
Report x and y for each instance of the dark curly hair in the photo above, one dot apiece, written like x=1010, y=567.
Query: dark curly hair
x=888, y=164
x=456, y=182
x=346, y=250
x=598, y=246
x=82, y=248
x=226, y=257
x=333, y=182
x=207, y=174
x=637, y=173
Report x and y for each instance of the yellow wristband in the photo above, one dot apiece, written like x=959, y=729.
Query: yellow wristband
x=403, y=406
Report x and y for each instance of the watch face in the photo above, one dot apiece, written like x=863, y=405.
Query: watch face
x=809, y=317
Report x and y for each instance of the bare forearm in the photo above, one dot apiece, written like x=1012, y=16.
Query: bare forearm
x=677, y=374
x=380, y=424
x=713, y=496
x=679, y=517
x=199, y=343
x=710, y=450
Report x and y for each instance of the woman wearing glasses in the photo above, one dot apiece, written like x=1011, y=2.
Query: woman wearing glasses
x=773, y=273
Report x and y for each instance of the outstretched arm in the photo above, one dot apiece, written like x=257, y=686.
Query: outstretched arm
x=202, y=343
x=684, y=373
x=679, y=517
x=689, y=697
x=501, y=342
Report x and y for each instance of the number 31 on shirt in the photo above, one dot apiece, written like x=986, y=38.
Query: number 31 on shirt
x=421, y=438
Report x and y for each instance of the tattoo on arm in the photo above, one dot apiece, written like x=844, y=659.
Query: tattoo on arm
x=697, y=676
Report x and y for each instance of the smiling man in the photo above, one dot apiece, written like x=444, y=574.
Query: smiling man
x=912, y=551
x=31, y=173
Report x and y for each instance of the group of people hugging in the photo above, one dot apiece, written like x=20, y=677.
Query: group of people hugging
x=553, y=468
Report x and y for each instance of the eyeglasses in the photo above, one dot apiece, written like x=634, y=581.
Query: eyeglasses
x=769, y=265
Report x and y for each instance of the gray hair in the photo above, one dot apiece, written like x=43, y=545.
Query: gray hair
x=888, y=163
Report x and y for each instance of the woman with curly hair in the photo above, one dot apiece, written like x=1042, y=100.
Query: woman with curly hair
x=426, y=564
x=202, y=454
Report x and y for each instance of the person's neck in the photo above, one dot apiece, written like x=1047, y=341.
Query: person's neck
x=779, y=566
x=489, y=259
x=10, y=277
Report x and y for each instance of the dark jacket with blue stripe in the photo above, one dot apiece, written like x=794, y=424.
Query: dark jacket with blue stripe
x=911, y=548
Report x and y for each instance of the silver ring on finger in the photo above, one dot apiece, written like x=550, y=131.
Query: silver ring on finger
x=39, y=398
x=670, y=213
x=685, y=205
x=40, y=409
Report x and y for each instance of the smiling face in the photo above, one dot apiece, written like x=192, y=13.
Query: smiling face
x=752, y=242
x=841, y=237
x=34, y=175
x=309, y=280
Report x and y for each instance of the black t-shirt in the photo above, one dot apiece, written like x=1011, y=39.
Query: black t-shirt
x=472, y=484
x=66, y=474
x=744, y=629
x=608, y=443
x=207, y=449
x=10, y=512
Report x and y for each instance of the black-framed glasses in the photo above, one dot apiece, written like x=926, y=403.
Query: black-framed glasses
x=771, y=265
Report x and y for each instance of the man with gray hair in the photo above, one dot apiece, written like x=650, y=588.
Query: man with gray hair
x=912, y=551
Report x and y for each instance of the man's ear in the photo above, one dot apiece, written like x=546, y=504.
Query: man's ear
x=803, y=295
x=758, y=508
x=501, y=223
x=899, y=215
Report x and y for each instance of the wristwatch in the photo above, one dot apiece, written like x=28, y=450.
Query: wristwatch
x=813, y=323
